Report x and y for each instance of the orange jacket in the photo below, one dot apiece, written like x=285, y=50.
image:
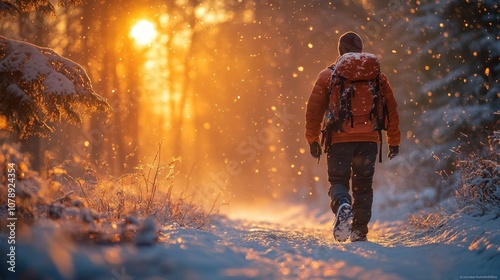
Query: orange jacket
x=318, y=104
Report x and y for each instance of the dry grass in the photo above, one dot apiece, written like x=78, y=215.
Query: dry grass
x=478, y=191
x=147, y=192
x=476, y=187
x=89, y=207
x=427, y=221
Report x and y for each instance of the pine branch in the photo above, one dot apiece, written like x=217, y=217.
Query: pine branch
x=38, y=86
x=8, y=9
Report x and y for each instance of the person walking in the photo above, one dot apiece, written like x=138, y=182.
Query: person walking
x=352, y=132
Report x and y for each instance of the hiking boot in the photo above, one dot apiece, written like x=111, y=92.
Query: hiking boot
x=357, y=235
x=342, y=226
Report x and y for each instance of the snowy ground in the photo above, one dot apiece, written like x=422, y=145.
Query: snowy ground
x=284, y=244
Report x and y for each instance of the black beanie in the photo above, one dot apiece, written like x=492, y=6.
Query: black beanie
x=350, y=42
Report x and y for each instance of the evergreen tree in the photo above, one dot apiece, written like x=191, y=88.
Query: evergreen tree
x=460, y=61
x=457, y=49
x=38, y=86
x=16, y=7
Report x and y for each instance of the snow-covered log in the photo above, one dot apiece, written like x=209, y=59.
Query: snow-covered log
x=38, y=86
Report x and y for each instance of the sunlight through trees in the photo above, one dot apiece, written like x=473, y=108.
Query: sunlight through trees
x=143, y=32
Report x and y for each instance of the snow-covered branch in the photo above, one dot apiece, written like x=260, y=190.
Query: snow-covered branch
x=38, y=86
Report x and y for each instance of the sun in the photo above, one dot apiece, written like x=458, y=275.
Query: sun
x=143, y=32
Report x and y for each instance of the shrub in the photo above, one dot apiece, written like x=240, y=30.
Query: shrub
x=478, y=190
x=87, y=207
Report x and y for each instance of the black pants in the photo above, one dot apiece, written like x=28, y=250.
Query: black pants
x=353, y=162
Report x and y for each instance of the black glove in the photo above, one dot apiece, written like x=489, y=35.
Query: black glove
x=315, y=149
x=393, y=152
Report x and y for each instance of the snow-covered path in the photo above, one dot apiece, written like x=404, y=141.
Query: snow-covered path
x=262, y=250
x=254, y=248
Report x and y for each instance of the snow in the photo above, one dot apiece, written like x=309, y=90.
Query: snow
x=287, y=241
x=358, y=66
x=26, y=58
x=15, y=90
x=348, y=57
x=57, y=83
x=43, y=87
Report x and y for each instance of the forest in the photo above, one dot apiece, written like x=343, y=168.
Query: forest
x=227, y=72
x=204, y=100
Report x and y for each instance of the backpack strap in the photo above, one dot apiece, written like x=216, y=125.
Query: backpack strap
x=347, y=96
x=344, y=103
x=381, y=125
x=326, y=132
x=380, y=148
x=332, y=80
x=375, y=89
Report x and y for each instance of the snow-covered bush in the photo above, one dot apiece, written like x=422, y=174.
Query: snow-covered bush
x=149, y=191
x=88, y=208
x=124, y=209
x=478, y=190
x=25, y=181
